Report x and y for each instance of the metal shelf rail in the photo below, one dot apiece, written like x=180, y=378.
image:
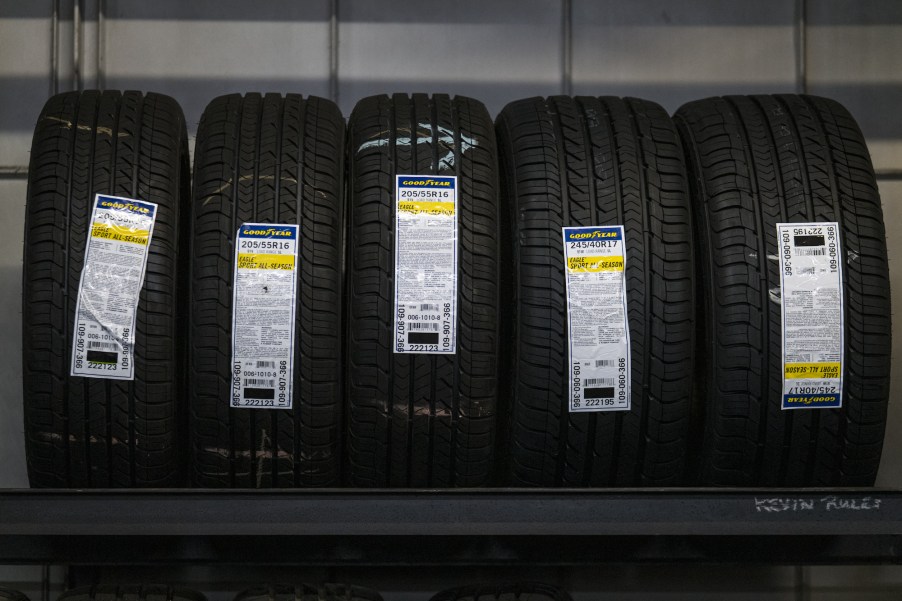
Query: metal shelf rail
x=466, y=527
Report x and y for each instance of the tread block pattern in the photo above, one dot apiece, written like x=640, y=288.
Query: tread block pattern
x=131, y=592
x=89, y=432
x=597, y=161
x=757, y=161
x=8, y=594
x=269, y=159
x=421, y=420
x=523, y=591
x=309, y=592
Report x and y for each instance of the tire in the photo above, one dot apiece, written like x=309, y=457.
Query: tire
x=8, y=594
x=90, y=432
x=581, y=162
x=309, y=592
x=271, y=159
x=131, y=592
x=756, y=161
x=415, y=419
x=528, y=591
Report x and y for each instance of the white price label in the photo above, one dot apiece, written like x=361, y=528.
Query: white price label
x=425, y=264
x=598, y=331
x=263, y=315
x=119, y=235
x=811, y=314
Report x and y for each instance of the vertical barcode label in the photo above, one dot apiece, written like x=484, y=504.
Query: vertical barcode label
x=103, y=346
x=811, y=314
x=597, y=327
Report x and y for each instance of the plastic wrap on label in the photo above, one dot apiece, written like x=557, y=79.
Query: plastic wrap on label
x=119, y=236
x=426, y=264
x=811, y=314
x=597, y=326
x=263, y=315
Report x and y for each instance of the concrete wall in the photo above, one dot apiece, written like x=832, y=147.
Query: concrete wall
x=670, y=51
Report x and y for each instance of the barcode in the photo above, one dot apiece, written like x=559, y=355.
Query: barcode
x=806, y=271
x=105, y=346
x=605, y=363
x=269, y=364
x=428, y=307
x=432, y=327
x=811, y=252
x=599, y=382
x=260, y=382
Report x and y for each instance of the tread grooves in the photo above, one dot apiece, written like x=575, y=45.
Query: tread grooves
x=86, y=432
x=646, y=226
x=268, y=158
x=439, y=429
x=554, y=112
x=815, y=169
x=761, y=250
x=615, y=169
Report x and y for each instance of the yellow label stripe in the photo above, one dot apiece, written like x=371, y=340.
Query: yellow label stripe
x=265, y=261
x=796, y=371
x=106, y=231
x=594, y=264
x=432, y=208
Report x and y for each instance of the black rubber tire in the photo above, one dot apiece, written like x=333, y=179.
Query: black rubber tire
x=309, y=592
x=421, y=420
x=131, y=592
x=90, y=432
x=8, y=594
x=597, y=161
x=523, y=591
x=756, y=161
x=269, y=159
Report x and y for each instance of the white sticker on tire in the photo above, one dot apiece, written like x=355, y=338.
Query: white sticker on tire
x=425, y=305
x=119, y=236
x=811, y=314
x=264, y=296
x=598, y=331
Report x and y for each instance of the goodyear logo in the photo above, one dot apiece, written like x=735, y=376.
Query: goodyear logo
x=120, y=204
x=421, y=181
x=255, y=230
x=582, y=234
x=805, y=401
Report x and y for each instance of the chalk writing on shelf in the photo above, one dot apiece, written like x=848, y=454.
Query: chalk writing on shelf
x=828, y=503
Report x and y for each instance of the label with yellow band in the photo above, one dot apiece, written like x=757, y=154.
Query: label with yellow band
x=594, y=264
x=115, y=261
x=427, y=208
x=119, y=233
x=425, y=264
x=598, y=331
x=265, y=261
x=264, y=297
x=795, y=371
x=811, y=314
